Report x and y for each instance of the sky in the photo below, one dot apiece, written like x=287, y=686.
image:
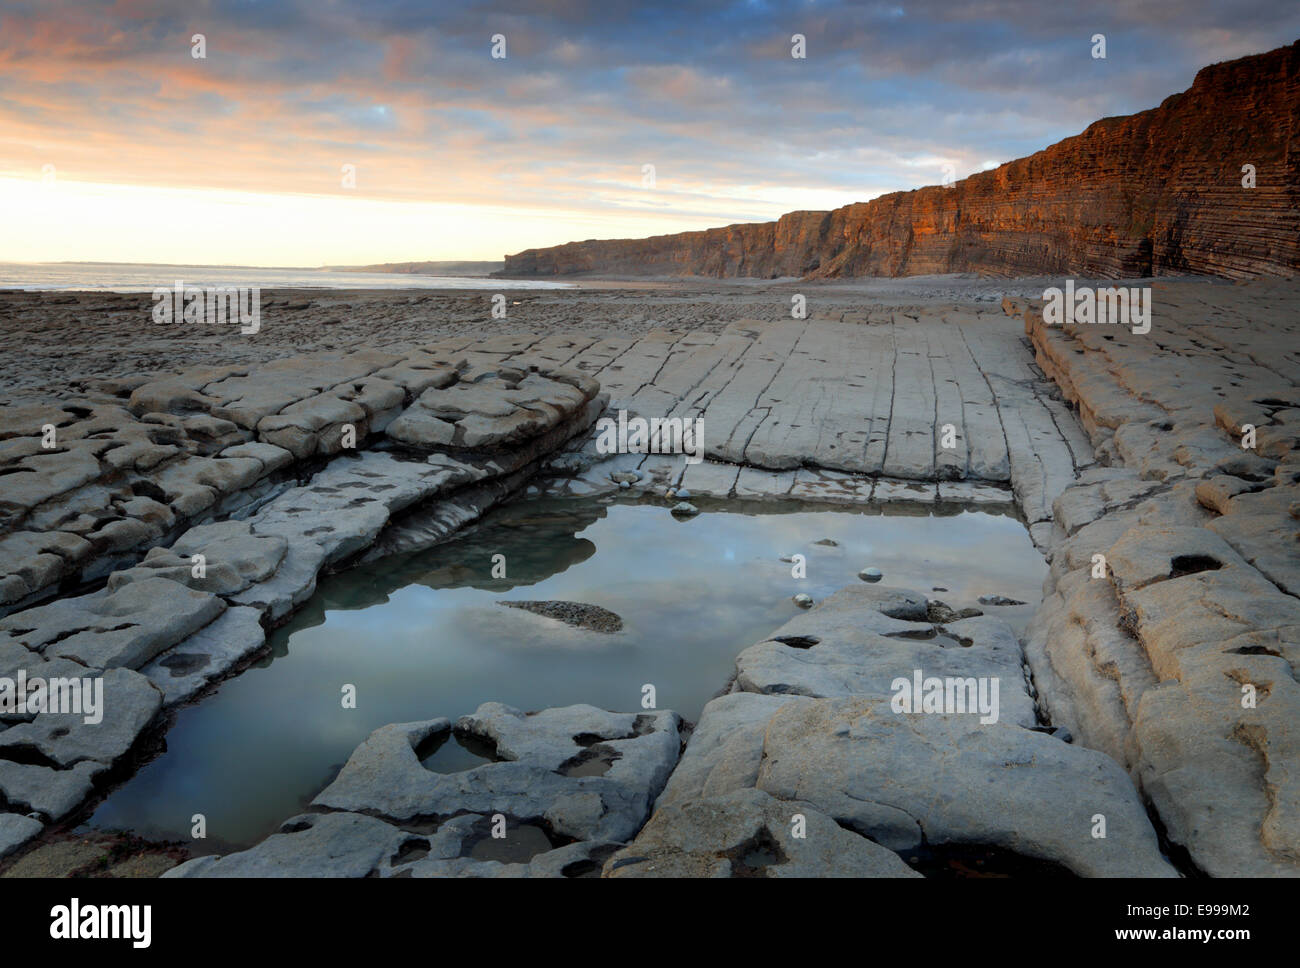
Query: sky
x=322, y=132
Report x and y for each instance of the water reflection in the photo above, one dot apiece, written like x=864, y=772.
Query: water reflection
x=422, y=635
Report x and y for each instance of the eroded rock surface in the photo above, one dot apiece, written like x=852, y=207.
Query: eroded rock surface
x=537, y=776
x=204, y=500
x=566, y=787
x=1169, y=635
x=751, y=834
x=823, y=730
x=849, y=645
x=1145, y=667
x=89, y=488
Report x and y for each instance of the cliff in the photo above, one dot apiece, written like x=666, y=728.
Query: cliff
x=1153, y=193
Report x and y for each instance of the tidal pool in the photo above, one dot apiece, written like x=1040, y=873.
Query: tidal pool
x=423, y=635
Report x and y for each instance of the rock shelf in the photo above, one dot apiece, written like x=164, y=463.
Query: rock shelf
x=1177, y=654
x=1155, y=687
x=210, y=503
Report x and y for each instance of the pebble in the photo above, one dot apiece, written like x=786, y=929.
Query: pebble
x=684, y=510
x=871, y=574
x=803, y=600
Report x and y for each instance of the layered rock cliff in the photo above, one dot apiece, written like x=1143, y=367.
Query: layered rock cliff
x=1154, y=193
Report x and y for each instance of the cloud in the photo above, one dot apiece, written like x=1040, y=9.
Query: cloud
x=707, y=92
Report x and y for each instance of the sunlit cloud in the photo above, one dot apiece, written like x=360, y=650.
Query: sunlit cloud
x=455, y=154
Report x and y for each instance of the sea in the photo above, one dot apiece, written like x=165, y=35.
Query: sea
x=142, y=277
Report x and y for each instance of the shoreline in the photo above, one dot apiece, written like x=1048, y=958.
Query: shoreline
x=55, y=343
